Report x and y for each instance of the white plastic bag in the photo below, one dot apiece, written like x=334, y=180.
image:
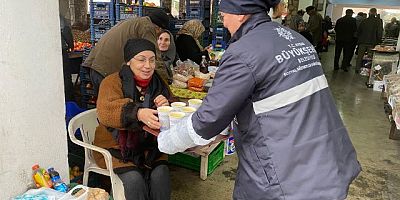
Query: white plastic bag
x=82, y=196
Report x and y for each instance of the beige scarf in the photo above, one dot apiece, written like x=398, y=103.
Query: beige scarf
x=193, y=28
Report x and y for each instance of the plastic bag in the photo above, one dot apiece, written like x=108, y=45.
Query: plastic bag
x=186, y=68
x=51, y=194
x=80, y=195
x=43, y=194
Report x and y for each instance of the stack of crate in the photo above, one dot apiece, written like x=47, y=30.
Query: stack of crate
x=215, y=16
x=88, y=99
x=220, y=33
x=101, y=19
x=124, y=11
x=200, y=9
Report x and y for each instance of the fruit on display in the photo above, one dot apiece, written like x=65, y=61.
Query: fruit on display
x=148, y=4
x=80, y=46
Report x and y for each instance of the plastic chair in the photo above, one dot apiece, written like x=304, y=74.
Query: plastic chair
x=87, y=122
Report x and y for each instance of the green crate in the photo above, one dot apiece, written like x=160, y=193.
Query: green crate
x=193, y=162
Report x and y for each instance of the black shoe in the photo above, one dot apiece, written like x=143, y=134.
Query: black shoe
x=336, y=68
x=345, y=69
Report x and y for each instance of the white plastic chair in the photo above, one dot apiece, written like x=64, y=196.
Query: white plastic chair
x=87, y=123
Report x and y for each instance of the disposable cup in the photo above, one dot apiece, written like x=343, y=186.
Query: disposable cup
x=188, y=110
x=175, y=118
x=178, y=106
x=195, y=103
x=163, y=116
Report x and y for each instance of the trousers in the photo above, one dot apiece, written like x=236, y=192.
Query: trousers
x=157, y=187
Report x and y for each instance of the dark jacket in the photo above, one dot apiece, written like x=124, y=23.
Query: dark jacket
x=67, y=39
x=307, y=35
x=315, y=27
x=107, y=56
x=290, y=139
x=370, y=31
x=187, y=48
x=392, y=29
x=345, y=29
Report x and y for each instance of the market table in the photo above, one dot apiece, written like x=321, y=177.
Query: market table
x=391, y=96
x=385, y=61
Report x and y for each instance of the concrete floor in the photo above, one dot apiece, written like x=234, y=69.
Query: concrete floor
x=363, y=114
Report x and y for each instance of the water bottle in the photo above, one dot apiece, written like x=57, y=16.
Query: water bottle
x=58, y=184
x=204, y=65
x=41, y=177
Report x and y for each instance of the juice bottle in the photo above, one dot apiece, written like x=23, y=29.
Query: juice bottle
x=41, y=177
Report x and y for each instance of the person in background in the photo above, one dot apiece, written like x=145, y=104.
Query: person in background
x=315, y=26
x=304, y=32
x=107, y=56
x=296, y=20
x=187, y=42
x=365, y=15
x=326, y=26
x=378, y=16
x=392, y=29
x=167, y=48
x=359, y=19
x=67, y=44
x=290, y=140
x=369, y=34
x=345, y=29
x=168, y=11
x=128, y=100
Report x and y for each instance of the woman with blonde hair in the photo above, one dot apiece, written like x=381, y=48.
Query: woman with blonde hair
x=187, y=42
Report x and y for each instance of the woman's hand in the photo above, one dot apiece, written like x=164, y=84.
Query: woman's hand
x=160, y=100
x=148, y=116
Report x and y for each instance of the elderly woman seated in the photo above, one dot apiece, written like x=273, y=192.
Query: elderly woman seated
x=127, y=101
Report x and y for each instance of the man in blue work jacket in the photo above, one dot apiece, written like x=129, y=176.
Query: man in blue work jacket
x=291, y=141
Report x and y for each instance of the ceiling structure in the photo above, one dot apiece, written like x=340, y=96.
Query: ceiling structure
x=368, y=2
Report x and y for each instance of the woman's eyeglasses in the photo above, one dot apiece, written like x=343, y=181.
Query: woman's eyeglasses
x=143, y=59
